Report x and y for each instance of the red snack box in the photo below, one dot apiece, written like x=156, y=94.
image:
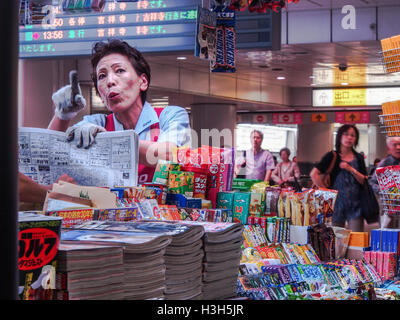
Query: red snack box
x=199, y=181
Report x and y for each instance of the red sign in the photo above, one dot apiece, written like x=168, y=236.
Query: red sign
x=37, y=247
x=260, y=118
x=352, y=117
x=287, y=118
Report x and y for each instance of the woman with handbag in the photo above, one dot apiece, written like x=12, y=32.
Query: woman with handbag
x=344, y=170
x=286, y=171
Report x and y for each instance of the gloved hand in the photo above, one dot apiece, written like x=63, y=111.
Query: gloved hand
x=84, y=134
x=69, y=100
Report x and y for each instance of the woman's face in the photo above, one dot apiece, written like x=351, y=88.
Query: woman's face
x=349, y=138
x=284, y=156
x=118, y=83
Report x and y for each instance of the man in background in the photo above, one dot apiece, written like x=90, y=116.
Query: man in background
x=392, y=159
x=258, y=163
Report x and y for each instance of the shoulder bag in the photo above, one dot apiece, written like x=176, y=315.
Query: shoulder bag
x=326, y=178
x=369, y=203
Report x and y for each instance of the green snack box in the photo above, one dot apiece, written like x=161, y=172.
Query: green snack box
x=241, y=204
x=243, y=184
x=162, y=171
x=225, y=200
x=181, y=182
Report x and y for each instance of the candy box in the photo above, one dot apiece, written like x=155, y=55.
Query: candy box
x=181, y=182
x=199, y=180
x=156, y=191
x=225, y=200
x=163, y=168
x=241, y=203
x=38, y=241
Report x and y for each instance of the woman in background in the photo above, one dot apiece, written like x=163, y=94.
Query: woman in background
x=285, y=171
x=347, y=176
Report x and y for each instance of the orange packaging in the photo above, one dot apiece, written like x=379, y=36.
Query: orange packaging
x=359, y=239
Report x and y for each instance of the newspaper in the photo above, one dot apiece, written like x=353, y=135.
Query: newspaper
x=44, y=155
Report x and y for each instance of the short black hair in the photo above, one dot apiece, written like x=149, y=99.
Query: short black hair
x=344, y=128
x=284, y=149
x=101, y=49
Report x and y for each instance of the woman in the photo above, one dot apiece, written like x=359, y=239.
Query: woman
x=121, y=77
x=285, y=171
x=347, y=176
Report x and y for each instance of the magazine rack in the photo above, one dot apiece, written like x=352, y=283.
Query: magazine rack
x=390, y=203
x=390, y=124
x=391, y=60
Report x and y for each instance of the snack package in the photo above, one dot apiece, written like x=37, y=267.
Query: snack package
x=163, y=168
x=389, y=185
x=272, y=195
x=241, y=204
x=260, y=187
x=155, y=191
x=310, y=214
x=181, y=182
x=325, y=204
x=255, y=204
x=225, y=200
x=199, y=180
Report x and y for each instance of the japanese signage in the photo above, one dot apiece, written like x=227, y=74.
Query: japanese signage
x=354, y=96
x=149, y=25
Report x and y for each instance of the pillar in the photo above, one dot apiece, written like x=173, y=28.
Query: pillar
x=314, y=140
x=9, y=148
x=213, y=124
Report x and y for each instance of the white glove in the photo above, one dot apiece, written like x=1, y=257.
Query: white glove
x=69, y=100
x=83, y=134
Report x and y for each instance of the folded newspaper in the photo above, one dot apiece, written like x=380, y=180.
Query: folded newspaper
x=44, y=155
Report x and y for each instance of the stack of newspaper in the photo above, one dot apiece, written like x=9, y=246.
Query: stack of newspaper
x=144, y=267
x=222, y=247
x=89, y=271
x=184, y=261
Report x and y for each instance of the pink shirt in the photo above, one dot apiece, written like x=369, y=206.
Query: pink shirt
x=258, y=164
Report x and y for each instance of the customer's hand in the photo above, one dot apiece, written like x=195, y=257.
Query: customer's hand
x=68, y=100
x=84, y=135
x=345, y=166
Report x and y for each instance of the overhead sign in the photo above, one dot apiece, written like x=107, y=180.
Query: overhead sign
x=260, y=118
x=352, y=117
x=287, y=118
x=318, y=117
x=354, y=96
x=149, y=25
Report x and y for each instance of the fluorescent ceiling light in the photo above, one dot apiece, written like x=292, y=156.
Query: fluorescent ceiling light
x=281, y=78
x=181, y=58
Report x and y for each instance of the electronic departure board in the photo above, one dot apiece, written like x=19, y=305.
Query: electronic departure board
x=148, y=25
